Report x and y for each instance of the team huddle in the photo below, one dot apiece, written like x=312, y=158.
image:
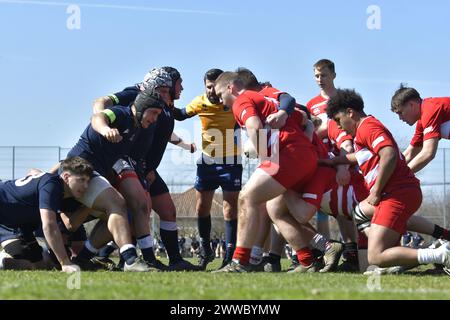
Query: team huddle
x=328, y=157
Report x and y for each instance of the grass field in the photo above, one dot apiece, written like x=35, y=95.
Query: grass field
x=204, y=285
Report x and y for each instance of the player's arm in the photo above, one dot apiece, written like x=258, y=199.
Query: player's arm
x=411, y=152
x=176, y=140
x=123, y=98
x=181, y=114
x=388, y=161
x=100, y=122
x=74, y=220
x=346, y=159
x=285, y=108
x=253, y=125
x=424, y=156
x=309, y=129
x=342, y=173
x=102, y=103
x=54, y=239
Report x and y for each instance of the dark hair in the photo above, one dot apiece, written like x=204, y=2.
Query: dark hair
x=212, y=75
x=248, y=79
x=324, y=63
x=77, y=166
x=403, y=95
x=265, y=84
x=343, y=99
x=229, y=77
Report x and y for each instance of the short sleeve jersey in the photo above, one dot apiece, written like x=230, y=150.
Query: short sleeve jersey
x=251, y=103
x=21, y=199
x=434, y=121
x=371, y=137
x=218, y=127
x=95, y=148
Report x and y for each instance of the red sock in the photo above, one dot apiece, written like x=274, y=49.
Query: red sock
x=242, y=255
x=305, y=256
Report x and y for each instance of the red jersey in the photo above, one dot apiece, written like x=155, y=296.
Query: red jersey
x=317, y=106
x=251, y=103
x=371, y=136
x=271, y=92
x=434, y=121
x=336, y=137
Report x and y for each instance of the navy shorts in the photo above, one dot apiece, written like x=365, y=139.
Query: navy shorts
x=7, y=233
x=158, y=186
x=212, y=176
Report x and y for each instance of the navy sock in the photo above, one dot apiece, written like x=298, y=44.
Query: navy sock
x=148, y=254
x=106, y=251
x=204, y=231
x=86, y=254
x=440, y=233
x=230, y=238
x=129, y=255
x=170, y=240
x=274, y=257
x=350, y=250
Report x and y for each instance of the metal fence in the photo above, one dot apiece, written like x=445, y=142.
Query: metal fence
x=178, y=169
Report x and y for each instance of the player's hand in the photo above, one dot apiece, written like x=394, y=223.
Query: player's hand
x=277, y=120
x=70, y=268
x=249, y=150
x=112, y=135
x=193, y=147
x=373, y=199
x=342, y=176
x=325, y=162
x=150, y=177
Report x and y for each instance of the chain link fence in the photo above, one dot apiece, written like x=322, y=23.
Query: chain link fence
x=178, y=169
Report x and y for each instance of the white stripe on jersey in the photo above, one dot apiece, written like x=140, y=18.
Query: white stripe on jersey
x=340, y=136
x=350, y=196
x=428, y=129
x=325, y=204
x=317, y=105
x=243, y=114
x=377, y=141
x=340, y=195
x=309, y=196
x=363, y=156
x=445, y=130
x=372, y=175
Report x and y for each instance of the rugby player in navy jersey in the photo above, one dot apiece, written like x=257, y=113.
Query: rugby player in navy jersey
x=147, y=153
x=108, y=138
x=36, y=199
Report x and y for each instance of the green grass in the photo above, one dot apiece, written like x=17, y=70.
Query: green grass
x=204, y=285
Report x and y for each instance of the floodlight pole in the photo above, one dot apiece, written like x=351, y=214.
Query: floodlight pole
x=445, y=202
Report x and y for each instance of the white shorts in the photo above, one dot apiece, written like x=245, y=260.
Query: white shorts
x=96, y=186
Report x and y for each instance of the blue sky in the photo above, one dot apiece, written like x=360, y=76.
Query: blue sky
x=50, y=75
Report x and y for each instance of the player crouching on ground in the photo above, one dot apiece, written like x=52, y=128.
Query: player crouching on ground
x=36, y=199
x=394, y=191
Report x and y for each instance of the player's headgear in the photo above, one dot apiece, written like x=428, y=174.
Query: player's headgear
x=147, y=99
x=174, y=75
x=157, y=77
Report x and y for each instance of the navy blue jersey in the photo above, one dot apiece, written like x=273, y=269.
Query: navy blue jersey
x=21, y=199
x=95, y=148
x=162, y=135
x=151, y=144
x=145, y=139
x=125, y=97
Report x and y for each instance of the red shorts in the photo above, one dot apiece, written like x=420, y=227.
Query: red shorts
x=397, y=207
x=323, y=180
x=296, y=164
